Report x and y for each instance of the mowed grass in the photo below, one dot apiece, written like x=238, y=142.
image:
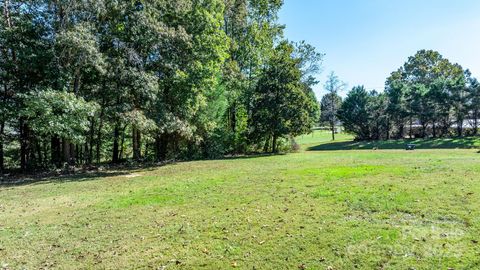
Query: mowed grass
x=323, y=209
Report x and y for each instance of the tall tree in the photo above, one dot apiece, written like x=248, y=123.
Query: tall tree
x=424, y=91
x=396, y=90
x=473, y=104
x=332, y=101
x=330, y=105
x=379, y=118
x=354, y=112
x=252, y=27
x=281, y=107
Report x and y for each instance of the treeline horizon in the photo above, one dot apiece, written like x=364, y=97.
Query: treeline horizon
x=427, y=97
x=85, y=82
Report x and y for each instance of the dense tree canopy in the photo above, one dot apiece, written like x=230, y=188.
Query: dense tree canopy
x=85, y=82
x=282, y=104
x=427, y=97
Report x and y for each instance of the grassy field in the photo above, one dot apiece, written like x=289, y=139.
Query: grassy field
x=336, y=205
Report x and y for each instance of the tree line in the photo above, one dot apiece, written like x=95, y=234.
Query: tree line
x=93, y=81
x=427, y=97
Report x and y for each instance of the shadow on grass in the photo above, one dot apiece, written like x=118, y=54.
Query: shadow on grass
x=20, y=180
x=451, y=143
x=104, y=170
x=17, y=179
x=249, y=156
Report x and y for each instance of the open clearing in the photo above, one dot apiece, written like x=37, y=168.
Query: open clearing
x=321, y=208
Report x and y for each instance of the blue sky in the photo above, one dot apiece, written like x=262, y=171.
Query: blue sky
x=365, y=40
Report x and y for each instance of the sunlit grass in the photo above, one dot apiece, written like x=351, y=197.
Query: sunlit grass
x=365, y=209
x=323, y=136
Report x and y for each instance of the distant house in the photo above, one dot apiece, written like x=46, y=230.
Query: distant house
x=417, y=128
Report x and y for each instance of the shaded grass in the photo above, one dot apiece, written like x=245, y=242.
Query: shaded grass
x=442, y=143
x=383, y=209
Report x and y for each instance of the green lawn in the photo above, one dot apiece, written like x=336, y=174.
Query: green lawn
x=326, y=207
x=317, y=137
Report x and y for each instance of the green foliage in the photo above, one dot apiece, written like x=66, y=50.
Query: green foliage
x=354, y=112
x=427, y=97
x=252, y=29
x=151, y=80
x=310, y=62
x=281, y=105
x=59, y=113
x=330, y=104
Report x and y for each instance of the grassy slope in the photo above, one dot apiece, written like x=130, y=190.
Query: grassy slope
x=368, y=209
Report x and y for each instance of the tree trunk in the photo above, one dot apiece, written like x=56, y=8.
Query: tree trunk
x=332, y=120
x=23, y=145
x=400, y=131
x=332, y=125
x=434, y=129
x=78, y=154
x=115, y=151
x=410, y=133
x=122, y=143
x=66, y=151
x=2, y=162
x=446, y=127
x=233, y=117
x=475, y=123
x=139, y=143
x=266, y=145
x=136, y=145
x=274, y=144
x=460, y=127
x=55, y=149
x=89, y=147
x=146, y=151
x=73, y=154
x=161, y=147
x=99, y=135
x=388, y=128
x=85, y=152
x=38, y=147
x=157, y=148
x=46, y=153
